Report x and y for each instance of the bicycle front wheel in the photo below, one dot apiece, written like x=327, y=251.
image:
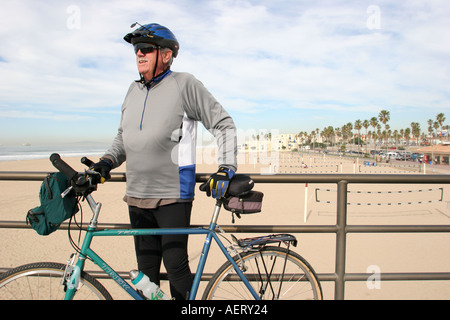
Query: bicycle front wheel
x=42, y=281
x=274, y=273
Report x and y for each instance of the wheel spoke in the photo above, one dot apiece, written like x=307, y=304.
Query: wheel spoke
x=273, y=272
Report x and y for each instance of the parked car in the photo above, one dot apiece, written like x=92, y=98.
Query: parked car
x=392, y=155
x=404, y=156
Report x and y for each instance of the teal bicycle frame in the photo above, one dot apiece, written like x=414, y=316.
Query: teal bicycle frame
x=86, y=251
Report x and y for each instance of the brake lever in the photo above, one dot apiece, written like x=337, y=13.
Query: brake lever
x=80, y=182
x=66, y=192
x=92, y=172
x=90, y=164
x=94, y=176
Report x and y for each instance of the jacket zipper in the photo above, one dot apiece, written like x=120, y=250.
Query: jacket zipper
x=143, y=110
x=157, y=80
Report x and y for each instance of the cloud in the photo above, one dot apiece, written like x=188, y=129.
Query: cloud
x=322, y=53
x=21, y=114
x=257, y=58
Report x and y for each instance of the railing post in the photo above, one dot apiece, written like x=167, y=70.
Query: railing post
x=341, y=236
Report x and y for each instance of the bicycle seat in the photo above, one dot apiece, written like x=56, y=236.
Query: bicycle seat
x=240, y=185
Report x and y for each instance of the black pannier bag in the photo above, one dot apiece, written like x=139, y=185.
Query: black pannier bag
x=250, y=202
x=241, y=199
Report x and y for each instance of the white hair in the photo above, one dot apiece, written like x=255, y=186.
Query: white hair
x=163, y=50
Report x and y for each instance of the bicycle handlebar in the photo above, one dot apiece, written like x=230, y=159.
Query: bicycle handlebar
x=203, y=187
x=82, y=183
x=62, y=166
x=87, y=162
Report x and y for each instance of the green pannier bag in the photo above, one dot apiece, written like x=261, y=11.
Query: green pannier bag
x=54, y=209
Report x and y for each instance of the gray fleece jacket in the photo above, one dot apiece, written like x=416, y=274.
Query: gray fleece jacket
x=157, y=136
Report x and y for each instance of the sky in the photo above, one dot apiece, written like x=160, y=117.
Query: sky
x=285, y=66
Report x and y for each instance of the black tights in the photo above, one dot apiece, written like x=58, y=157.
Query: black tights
x=172, y=249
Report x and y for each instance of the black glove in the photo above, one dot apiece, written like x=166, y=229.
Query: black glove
x=104, y=166
x=217, y=184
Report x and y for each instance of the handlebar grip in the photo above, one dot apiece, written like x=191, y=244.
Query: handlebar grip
x=87, y=162
x=63, y=167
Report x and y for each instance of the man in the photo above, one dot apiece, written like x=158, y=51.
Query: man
x=156, y=138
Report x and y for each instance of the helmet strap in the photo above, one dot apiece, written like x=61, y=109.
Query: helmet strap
x=156, y=77
x=156, y=63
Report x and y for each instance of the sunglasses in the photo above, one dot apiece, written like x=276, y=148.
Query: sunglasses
x=144, y=47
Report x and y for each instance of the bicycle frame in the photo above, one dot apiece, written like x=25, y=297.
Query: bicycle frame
x=86, y=251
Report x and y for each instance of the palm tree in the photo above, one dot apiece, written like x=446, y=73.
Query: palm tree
x=440, y=118
x=415, y=126
x=313, y=138
x=347, y=131
x=374, y=123
x=396, y=135
x=407, y=133
x=384, y=117
x=430, y=127
x=358, y=126
x=379, y=131
x=435, y=127
x=366, y=125
x=328, y=133
x=388, y=133
x=338, y=134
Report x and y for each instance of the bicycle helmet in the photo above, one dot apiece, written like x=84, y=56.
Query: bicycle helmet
x=156, y=34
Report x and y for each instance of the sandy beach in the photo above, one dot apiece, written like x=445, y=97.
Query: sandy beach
x=283, y=205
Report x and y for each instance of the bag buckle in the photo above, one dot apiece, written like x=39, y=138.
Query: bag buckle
x=31, y=216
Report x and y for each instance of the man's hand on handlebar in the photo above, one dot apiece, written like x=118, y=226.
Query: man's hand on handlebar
x=104, y=166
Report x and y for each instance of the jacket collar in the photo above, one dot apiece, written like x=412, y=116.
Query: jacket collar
x=155, y=79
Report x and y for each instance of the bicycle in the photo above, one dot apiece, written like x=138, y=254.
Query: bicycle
x=258, y=270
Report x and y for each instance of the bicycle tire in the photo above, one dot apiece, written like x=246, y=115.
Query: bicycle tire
x=299, y=281
x=42, y=281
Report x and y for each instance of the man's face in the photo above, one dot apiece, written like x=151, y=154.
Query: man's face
x=145, y=59
x=146, y=55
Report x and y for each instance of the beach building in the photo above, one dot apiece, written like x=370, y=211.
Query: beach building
x=264, y=143
x=287, y=142
x=437, y=154
x=279, y=142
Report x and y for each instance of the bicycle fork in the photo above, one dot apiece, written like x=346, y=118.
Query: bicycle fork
x=71, y=277
x=72, y=274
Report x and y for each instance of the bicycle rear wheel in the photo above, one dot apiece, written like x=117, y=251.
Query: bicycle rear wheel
x=42, y=281
x=274, y=273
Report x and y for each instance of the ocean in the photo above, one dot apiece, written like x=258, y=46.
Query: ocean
x=13, y=153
